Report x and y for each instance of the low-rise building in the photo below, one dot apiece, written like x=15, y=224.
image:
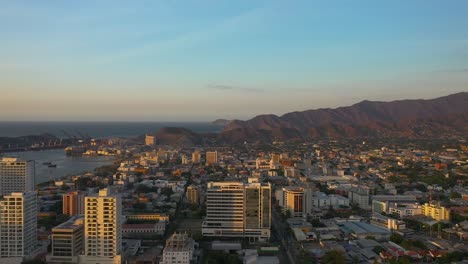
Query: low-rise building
x=180, y=249
x=67, y=241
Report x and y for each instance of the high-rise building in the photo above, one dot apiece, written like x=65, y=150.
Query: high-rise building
x=436, y=211
x=150, y=140
x=16, y=176
x=292, y=199
x=179, y=249
x=237, y=209
x=196, y=157
x=67, y=241
x=18, y=225
x=103, y=228
x=73, y=203
x=211, y=157
x=193, y=194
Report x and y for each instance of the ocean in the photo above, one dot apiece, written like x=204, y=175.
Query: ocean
x=96, y=129
x=66, y=165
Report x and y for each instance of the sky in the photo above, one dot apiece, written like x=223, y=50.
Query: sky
x=206, y=59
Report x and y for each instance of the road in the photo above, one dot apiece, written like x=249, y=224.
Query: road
x=281, y=228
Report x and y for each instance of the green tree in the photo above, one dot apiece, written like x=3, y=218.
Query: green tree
x=334, y=257
x=396, y=238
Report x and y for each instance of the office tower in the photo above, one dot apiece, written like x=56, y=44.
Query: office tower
x=103, y=230
x=237, y=209
x=18, y=225
x=73, y=203
x=211, y=157
x=179, y=249
x=16, y=176
x=196, y=157
x=67, y=241
x=193, y=194
x=150, y=140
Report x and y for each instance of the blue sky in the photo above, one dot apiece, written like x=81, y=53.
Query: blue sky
x=202, y=60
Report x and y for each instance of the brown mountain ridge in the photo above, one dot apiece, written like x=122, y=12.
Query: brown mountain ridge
x=443, y=116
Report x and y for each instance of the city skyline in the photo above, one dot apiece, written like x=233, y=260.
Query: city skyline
x=199, y=61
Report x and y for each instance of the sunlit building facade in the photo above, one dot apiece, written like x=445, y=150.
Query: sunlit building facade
x=16, y=175
x=18, y=225
x=237, y=209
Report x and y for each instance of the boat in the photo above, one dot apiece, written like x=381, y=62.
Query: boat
x=52, y=165
x=47, y=163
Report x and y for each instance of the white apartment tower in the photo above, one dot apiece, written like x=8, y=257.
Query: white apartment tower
x=16, y=176
x=237, y=209
x=103, y=228
x=18, y=225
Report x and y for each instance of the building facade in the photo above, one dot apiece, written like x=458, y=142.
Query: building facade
x=73, y=203
x=16, y=176
x=67, y=241
x=180, y=249
x=193, y=194
x=436, y=211
x=103, y=228
x=237, y=209
x=18, y=225
x=211, y=157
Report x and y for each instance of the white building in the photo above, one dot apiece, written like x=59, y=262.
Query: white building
x=103, y=230
x=18, y=226
x=404, y=210
x=179, y=249
x=236, y=209
x=16, y=176
x=322, y=200
x=360, y=197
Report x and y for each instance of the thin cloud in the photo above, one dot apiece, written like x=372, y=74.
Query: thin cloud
x=223, y=87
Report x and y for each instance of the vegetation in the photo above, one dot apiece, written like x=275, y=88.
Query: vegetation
x=215, y=257
x=51, y=221
x=334, y=257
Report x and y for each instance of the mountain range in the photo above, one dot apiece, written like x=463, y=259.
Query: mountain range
x=443, y=116
x=435, y=118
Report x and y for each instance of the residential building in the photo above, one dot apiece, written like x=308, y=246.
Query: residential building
x=193, y=194
x=67, y=241
x=360, y=197
x=211, y=157
x=150, y=140
x=143, y=230
x=16, y=175
x=292, y=199
x=18, y=226
x=322, y=200
x=387, y=222
x=403, y=210
x=103, y=230
x=180, y=249
x=436, y=211
x=196, y=157
x=73, y=203
x=236, y=209
x=382, y=203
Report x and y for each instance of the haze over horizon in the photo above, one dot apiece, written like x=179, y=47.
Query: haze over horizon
x=204, y=60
